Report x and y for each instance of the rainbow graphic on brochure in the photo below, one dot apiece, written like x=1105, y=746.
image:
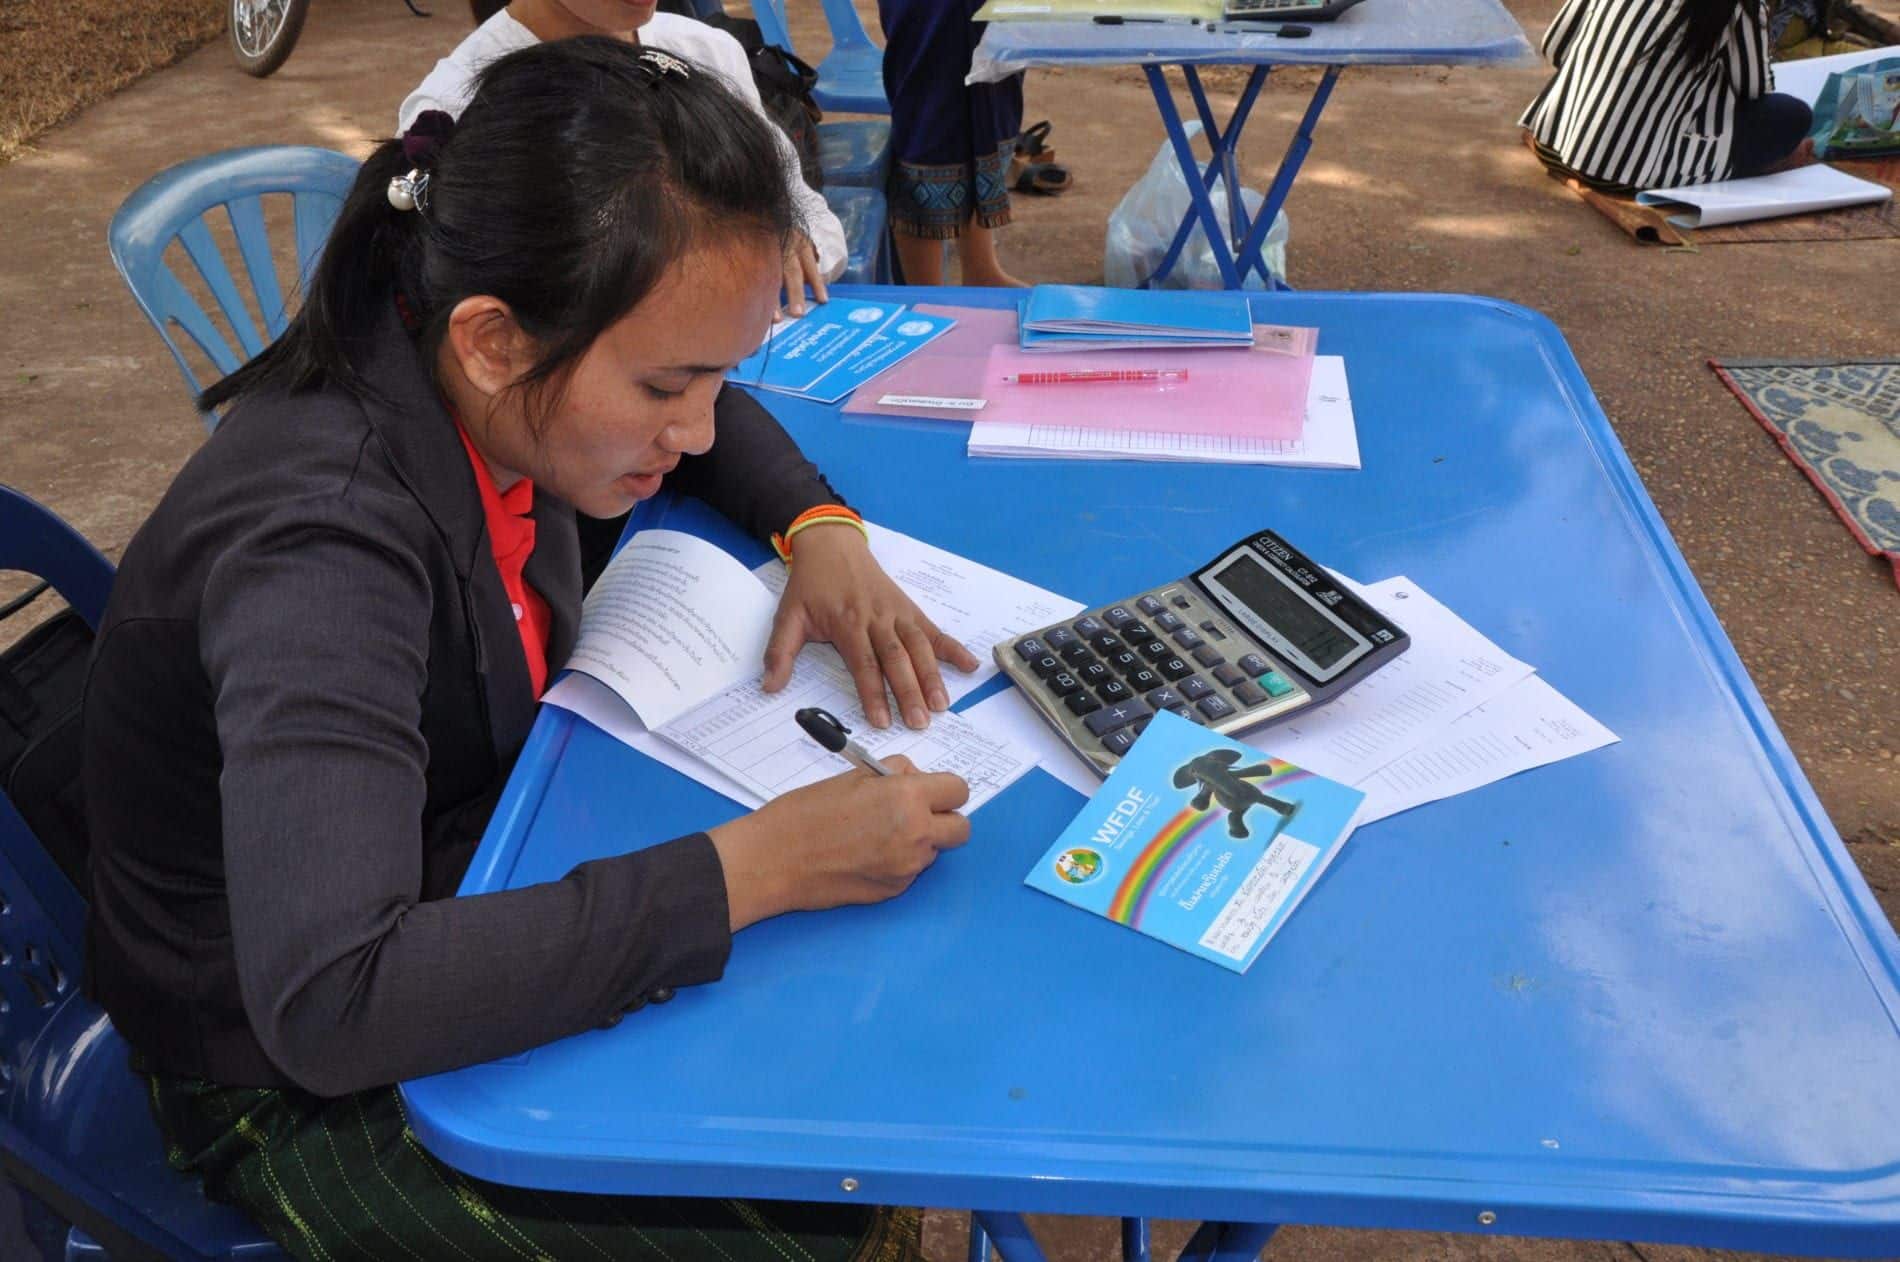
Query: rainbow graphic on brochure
x=1200, y=841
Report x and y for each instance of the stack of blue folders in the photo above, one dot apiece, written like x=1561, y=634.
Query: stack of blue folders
x=1086, y=318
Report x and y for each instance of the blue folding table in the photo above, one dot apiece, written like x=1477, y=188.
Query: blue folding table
x=1378, y=32
x=1640, y=994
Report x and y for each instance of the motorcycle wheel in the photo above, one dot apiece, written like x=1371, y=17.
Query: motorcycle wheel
x=264, y=31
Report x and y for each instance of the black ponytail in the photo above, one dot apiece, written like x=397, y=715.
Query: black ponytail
x=580, y=172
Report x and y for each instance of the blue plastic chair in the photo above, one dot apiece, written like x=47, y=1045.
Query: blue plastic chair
x=76, y=1135
x=851, y=77
x=175, y=205
x=865, y=217
x=855, y=154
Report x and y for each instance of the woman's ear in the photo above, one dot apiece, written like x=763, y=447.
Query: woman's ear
x=492, y=350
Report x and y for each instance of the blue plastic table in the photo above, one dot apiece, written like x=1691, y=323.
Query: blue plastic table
x=1641, y=994
x=1377, y=32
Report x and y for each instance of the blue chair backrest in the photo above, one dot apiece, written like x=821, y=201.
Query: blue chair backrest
x=41, y=915
x=847, y=28
x=75, y=1131
x=770, y=15
x=177, y=205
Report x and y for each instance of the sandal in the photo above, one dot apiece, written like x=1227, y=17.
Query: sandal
x=1031, y=143
x=1050, y=179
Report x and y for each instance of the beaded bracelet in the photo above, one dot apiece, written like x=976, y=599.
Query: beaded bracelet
x=782, y=542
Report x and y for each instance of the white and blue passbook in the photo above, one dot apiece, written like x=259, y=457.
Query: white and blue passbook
x=836, y=347
x=1089, y=317
x=1200, y=841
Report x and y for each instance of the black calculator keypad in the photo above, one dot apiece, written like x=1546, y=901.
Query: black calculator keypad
x=1174, y=668
x=1119, y=715
x=1118, y=668
x=1215, y=707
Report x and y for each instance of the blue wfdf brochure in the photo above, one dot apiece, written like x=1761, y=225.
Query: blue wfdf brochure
x=1200, y=841
x=837, y=347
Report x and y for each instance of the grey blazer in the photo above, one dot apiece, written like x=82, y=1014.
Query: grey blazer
x=306, y=695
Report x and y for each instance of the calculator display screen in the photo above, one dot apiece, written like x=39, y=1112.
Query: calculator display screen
x=1283, y=616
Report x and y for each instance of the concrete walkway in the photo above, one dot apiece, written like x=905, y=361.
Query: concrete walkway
x=1417, y=183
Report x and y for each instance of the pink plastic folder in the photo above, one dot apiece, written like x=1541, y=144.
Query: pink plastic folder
x=951, y=367
x=1251, y=392
x=1255, y=392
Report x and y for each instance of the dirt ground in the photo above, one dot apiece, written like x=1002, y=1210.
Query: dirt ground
x=57, y=56
x=1417, y=182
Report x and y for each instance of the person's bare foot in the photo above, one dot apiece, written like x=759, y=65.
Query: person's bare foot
x=1802, y=156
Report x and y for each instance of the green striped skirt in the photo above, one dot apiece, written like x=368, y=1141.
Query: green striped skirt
x=346, y=1180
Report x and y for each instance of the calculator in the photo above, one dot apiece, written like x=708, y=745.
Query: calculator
x=1284, y=10
x=1258, y=634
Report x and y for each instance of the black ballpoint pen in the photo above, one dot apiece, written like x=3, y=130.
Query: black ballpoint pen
x=824, y=727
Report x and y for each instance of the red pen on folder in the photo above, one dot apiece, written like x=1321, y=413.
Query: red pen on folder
x=1095, y=375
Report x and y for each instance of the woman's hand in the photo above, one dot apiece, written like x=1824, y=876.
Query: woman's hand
x=801, y=269
x=855, y=838
x=839, y=594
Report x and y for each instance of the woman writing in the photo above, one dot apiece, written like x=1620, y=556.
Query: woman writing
x=1661, y=93
x=322, y=654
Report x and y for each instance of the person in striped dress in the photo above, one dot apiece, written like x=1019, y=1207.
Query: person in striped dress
x=1662, y=93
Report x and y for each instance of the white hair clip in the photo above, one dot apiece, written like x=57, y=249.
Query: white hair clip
x=407, y=192
x=658, y=64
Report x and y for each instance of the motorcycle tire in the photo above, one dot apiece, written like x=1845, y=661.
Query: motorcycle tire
x=264, y=31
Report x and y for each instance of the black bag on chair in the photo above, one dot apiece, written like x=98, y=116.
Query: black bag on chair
x=785, y=83
x=42, y=680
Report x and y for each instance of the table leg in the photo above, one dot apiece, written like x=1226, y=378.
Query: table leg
x=1009, y=1233
x=1134, y=1240
x=979, y=1242
x=1240, y=251
x=1227, y=1242
x=1296, y=150
x=1198, y=182
x=1226, y=140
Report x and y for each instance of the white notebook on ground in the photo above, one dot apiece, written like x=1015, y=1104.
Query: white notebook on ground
x=1796, y=192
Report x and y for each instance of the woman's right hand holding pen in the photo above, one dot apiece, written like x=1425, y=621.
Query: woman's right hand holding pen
x=855, y=838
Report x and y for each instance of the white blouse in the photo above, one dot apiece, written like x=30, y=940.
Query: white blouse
x=451, y=84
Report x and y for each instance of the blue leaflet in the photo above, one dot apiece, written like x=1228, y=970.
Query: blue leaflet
x=1200, y=841
x=837, y=347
